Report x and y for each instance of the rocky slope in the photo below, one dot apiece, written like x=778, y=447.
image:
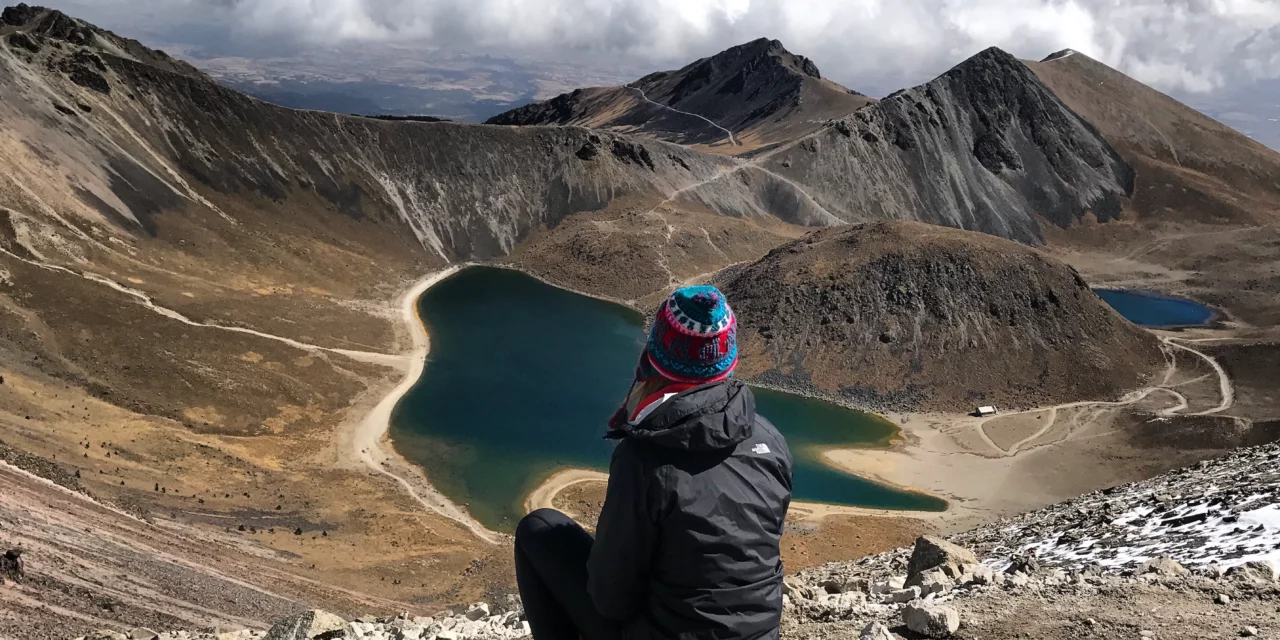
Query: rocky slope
x=912, y=316
x=738, y=101
x=1202, y=220
x=1191, y=166
x=1190, y=554
x=464, y=192
x=986, y=147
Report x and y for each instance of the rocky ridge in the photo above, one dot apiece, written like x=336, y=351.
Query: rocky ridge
x=985, y=147
x=144, y=135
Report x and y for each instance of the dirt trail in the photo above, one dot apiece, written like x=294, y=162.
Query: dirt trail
x=1226, y=390
x=363, y=356
x=709, y=121
x=364, y=438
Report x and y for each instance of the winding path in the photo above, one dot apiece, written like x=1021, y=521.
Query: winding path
x=364, y=356
x=709, y=121
x=365, y=437
x=1225, y=387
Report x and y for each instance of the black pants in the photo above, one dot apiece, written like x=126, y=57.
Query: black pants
x=551, y=571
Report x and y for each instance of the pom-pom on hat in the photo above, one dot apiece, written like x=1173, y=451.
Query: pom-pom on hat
x=694, y=337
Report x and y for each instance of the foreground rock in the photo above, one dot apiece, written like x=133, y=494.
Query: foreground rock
x=933, y=621
x=1186, y=578
x=307, y=626
x=932, y=552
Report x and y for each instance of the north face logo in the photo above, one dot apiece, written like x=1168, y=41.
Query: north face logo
x=760, y=449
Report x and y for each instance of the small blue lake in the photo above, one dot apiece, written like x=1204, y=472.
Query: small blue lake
x=1157, y=311
x=522, y=377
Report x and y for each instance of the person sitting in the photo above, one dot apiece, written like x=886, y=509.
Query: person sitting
x=699, y=486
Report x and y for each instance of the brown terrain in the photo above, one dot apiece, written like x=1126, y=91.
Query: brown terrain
x=1202, y=220
x=203, y=302
x=909, y=316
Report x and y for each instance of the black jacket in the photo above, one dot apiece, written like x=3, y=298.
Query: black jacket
x=687, y=543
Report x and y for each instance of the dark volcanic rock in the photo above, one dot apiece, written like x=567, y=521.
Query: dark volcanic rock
x=20, y=14
x=85, y=69
x=985, y=147
x=565, y=108
x=737, y=87
x=23, y=41
x=873, y=313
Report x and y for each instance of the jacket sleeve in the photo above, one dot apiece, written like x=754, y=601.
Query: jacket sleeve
x=618, y=568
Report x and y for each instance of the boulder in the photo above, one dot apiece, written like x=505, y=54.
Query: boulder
x=447, y=635
x=477, y=611
x=930, y=620
x=1026, y=564
x=143, y=633
x=1163, y=566
x=1257, y=572
x=979, y=574
x=407, y=633
x=876, y=631
x=308, y=625
x=798, y=590
x=931, y=581
x=932, y=552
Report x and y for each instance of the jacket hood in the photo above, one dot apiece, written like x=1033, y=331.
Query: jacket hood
x=710, y=417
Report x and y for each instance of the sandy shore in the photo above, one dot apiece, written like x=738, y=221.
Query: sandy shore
x=545, y=494
x=363, y=441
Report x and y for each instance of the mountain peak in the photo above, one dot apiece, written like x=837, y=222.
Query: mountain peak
x=756, y=91
x=763, y=51
x=47, y=22
x=42, y=22
x=1059, y=55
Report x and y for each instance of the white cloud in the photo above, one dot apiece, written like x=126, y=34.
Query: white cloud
x=1180, y=45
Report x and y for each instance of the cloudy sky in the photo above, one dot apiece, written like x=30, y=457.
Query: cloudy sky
x=1177, y=45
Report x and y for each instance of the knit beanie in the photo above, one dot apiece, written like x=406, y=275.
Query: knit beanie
x=694, y=337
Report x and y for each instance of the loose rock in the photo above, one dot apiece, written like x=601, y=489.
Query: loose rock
x=933, y=621
x=932, y=552
x=306, y=626
x=876, y=631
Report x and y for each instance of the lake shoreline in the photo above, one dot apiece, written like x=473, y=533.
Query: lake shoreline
x=378, y=424
x=363, y=440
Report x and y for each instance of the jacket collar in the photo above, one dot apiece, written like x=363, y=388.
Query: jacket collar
x=708, y=417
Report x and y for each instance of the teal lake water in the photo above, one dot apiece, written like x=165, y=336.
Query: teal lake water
x=523, y=377
x=1156, y=310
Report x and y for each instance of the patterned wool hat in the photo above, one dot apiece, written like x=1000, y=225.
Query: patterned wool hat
x=695, y=336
